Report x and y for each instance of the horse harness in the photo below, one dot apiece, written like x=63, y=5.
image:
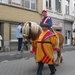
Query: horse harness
x=44, y=42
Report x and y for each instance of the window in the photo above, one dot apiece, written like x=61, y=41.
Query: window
x=74, y=11
x=67, y=7
x=0, y=0
x=48, y=4
x=58, y=5
x=69, y=34
x=4, y=1
x=33, y=4
x=30, y=4
x=13, y=32
x=27, y=3
x=16, y=2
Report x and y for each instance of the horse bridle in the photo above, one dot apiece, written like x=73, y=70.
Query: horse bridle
x=30, y=31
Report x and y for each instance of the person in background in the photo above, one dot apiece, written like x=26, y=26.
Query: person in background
x=19, y=35
x=0, y=41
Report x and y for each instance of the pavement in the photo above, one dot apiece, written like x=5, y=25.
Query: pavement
x=27, y=66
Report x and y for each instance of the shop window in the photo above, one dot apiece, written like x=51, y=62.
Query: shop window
x=13, y=32
x=4, y=1
x=65, y=37
x=69, y=33
x=16, y=2
x=58, y=5
x=48, y=4
x=30, y=4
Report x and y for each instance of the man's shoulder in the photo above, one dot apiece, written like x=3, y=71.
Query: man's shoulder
x=48, y=17
x=50, y=32
x=19, y=26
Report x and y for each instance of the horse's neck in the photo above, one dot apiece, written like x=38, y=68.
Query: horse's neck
x=35, y=37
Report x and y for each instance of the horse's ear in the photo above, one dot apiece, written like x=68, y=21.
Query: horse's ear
x=29, y=24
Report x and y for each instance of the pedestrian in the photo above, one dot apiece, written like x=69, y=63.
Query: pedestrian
x=44, y=53
x=0, y=42
x=19, y=36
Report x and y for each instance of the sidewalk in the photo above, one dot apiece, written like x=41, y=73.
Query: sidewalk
x=68, y=47
x=28, y=67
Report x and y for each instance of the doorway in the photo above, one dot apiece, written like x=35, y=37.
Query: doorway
x=68, y=37
x=1, y=32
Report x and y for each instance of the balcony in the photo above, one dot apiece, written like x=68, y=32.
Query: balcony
x=69, y=18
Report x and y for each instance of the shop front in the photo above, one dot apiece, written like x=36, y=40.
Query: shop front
x=1, y=34
x=57, y=24
x=65, y=27
x=68, y=32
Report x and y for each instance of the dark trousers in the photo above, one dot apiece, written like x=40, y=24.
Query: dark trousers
x=20, y=40
x=0, y=48
x=26, y=47
x=40, y=68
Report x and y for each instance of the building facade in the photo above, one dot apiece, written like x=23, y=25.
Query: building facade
x=74, y=23
x=62, y=13
x=14, y=11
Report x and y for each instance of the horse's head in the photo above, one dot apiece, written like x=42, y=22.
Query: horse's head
x=31, y=30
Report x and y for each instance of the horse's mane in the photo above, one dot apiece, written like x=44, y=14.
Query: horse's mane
x=35, y=28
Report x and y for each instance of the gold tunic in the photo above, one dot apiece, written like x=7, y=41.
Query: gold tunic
x=45, y=44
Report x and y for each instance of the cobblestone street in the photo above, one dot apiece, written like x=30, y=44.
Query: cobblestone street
x=26, y=66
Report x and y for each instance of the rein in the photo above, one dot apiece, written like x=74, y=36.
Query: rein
x=35, y=38
x=30, y=31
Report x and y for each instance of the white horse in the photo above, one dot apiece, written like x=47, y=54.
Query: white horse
x=33, y=30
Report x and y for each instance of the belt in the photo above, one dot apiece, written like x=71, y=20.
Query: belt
x=44, y=42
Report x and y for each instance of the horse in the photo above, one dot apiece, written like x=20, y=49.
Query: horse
x=32, y=30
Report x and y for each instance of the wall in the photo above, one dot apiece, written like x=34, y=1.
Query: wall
x=53, y=12
x=8, y=13
x=11, y=14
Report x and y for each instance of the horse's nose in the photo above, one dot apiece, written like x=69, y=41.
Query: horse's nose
x=25, y=35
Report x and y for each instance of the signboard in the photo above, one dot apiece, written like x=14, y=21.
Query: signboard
x=57, y=23
x=17, y=2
